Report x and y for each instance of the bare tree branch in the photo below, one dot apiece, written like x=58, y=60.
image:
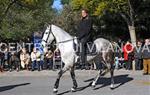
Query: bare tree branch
x=131, y=11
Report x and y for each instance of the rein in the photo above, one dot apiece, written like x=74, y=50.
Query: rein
x=50, y=31
x=66, y=40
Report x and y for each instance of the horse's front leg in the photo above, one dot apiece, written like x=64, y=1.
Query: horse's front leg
x=75, y=85
x=56, y=85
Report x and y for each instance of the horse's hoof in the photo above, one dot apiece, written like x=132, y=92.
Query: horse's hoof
x=111, y=86
x=73, y=90
x=93, y=86
x=55, y=90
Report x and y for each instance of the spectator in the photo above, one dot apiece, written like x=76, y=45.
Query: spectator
x=128, y=53
x=57, y=58
x=49, y=59
x=25, y=58
x=6, y=58
x=117, y=54
x=33, y=58
x=57, y=53
x=42, y=61
x=138, y=56
x=38, y=60
x=1, y=61
x=146, y=57
x=14, y=62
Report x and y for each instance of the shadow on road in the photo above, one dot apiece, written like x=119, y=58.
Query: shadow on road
x=78, y=89
x=9, y=87
x=119, y=80
x=64, y=92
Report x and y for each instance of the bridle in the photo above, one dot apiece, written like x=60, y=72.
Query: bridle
x=49, y=32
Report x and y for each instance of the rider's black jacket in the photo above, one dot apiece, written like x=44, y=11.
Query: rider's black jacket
x=84, y=28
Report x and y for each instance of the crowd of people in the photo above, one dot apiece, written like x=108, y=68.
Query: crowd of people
x=23, y=60
x=138, y=56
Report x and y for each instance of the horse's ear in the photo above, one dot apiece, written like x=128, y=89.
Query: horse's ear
x=49, y=23
x=46, y=25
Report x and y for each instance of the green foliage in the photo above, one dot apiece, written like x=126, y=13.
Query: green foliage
x=97, y=7
x=20, y=18
x=67, y=19
x=65, y=2
x=23, y=18
x=102, y=10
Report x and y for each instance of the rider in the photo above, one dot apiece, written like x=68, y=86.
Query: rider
x=84, y=33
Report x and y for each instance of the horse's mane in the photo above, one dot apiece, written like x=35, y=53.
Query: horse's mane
x=62, y=31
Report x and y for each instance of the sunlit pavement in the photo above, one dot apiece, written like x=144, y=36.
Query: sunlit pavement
x=41, y=83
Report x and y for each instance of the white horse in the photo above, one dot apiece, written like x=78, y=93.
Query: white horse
x=65, y=44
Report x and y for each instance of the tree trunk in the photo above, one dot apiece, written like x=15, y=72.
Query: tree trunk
x=133, y=40
x=131, y=25
x=132, y=34
x=131, y=28
x=129, y=19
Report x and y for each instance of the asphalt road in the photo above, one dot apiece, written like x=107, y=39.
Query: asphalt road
x=41, y=83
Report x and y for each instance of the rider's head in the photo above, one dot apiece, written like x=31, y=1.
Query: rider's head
x=84, y=13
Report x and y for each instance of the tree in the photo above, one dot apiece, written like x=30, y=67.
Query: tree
x=20, y=18
x=127, y=9
x=67, y=19
x=65, y=2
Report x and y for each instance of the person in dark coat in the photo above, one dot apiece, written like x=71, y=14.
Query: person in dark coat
x=1, y=61
x=6, y=58
x=138, y=56
x=14, y=62
x=84, y=33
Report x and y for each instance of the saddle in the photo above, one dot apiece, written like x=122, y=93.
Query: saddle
x=90, y=48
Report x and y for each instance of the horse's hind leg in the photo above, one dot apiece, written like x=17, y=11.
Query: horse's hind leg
x=56, y=85
x=96, y=78
x=112, y=76
x=75, y=85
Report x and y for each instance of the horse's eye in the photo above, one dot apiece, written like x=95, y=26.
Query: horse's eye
x=46, y=33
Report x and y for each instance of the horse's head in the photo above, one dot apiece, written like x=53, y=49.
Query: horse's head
x=48, y=37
